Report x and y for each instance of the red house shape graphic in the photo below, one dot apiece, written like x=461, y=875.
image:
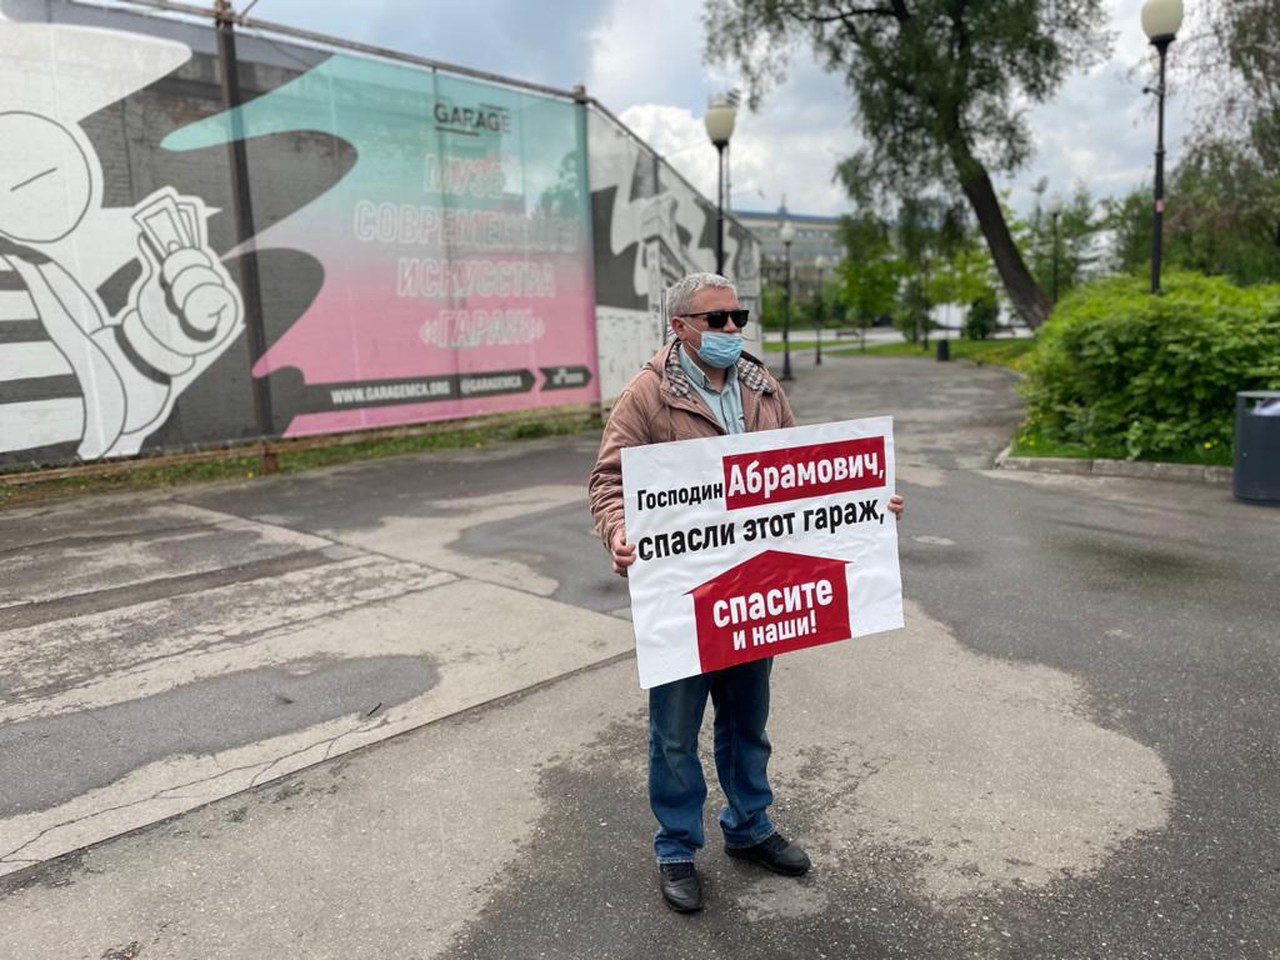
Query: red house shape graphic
x=773, y=603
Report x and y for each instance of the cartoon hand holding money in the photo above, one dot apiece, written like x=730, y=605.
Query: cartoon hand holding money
x=187, y=304
x=96, y=384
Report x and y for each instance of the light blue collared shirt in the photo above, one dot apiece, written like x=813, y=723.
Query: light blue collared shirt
x=726, y=404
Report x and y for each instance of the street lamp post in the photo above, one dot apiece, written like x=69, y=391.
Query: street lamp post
x=1160, y=20
x=821, y=263
x=1055, y=211
x=788, y=234
x=721, y=114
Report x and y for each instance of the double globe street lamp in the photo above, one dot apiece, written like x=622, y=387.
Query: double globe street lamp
x=787, y=233
x=819, y=315
x=719, y=120
x=1160, y=21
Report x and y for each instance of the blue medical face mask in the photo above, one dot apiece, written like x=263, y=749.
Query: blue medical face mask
x=720, y=350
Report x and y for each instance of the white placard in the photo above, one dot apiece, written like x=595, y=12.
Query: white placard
x=757, y=544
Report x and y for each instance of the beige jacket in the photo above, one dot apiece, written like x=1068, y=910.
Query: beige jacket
x=659, y=405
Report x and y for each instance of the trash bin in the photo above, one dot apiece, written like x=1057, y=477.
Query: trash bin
x=944, y=350
x=1257, y=464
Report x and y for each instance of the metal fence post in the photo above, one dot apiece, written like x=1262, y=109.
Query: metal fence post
x=242, y=211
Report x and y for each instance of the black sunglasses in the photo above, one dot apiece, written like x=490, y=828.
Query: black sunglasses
x=717, y=319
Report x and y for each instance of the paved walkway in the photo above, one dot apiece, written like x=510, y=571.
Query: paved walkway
x=389, y=711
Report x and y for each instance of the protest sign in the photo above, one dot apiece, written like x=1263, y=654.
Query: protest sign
x=757, y=544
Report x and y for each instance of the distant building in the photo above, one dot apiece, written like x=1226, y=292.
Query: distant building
x=815, y=236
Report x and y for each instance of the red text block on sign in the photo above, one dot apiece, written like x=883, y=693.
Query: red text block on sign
x=771, y=604
x=796, y=473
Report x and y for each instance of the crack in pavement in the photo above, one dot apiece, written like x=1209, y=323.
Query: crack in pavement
x=229, y=711
x=167, y=793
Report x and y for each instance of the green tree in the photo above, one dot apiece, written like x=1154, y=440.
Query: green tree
x=940, y=89
x=1073, y=241
x=941, y=259
x=1235, y=67
x=962, y=274
x=1223, y=217
x=835, y=311
x=983, y=317
x=1131, y=223
x=773, y=304
x=823, y=305
x=911, y=315
x=1224, y=196
x=1224, y=213
x=807, y=310
x=919, y=239
x=870, y=272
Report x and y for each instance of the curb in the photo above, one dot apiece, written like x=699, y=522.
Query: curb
x=1136, y=469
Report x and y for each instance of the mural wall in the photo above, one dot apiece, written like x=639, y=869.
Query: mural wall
x=426, y=246
x=422, y=241
x=650, y=228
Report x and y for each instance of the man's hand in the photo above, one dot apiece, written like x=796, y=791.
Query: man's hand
x=895, y=506
x=624, y=554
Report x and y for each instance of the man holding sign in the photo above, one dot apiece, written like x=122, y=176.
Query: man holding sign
x=698, y=386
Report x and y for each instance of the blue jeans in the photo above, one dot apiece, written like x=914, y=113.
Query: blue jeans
x=677, y=788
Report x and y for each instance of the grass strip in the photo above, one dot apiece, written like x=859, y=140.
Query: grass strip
x=1012, y=353
x=246, y=463
x=1031, y=441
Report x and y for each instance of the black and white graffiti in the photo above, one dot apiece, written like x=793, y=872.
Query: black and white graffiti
x=77, y=379
x=651, y=228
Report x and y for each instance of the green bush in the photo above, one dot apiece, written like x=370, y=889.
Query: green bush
x=1131, y=375
x=980, y=322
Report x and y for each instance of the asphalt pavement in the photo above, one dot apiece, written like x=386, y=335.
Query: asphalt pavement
x=390, y=711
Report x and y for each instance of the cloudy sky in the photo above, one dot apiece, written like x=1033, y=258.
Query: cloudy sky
x=644, y=62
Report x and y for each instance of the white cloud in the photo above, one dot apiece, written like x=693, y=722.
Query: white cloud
x=1101, y=128
x=786, y=153
x=646, y=67
x=509, y=38
x=648, y=53
x=644, y=63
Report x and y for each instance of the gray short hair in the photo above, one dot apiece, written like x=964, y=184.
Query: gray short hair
x=681, y=293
